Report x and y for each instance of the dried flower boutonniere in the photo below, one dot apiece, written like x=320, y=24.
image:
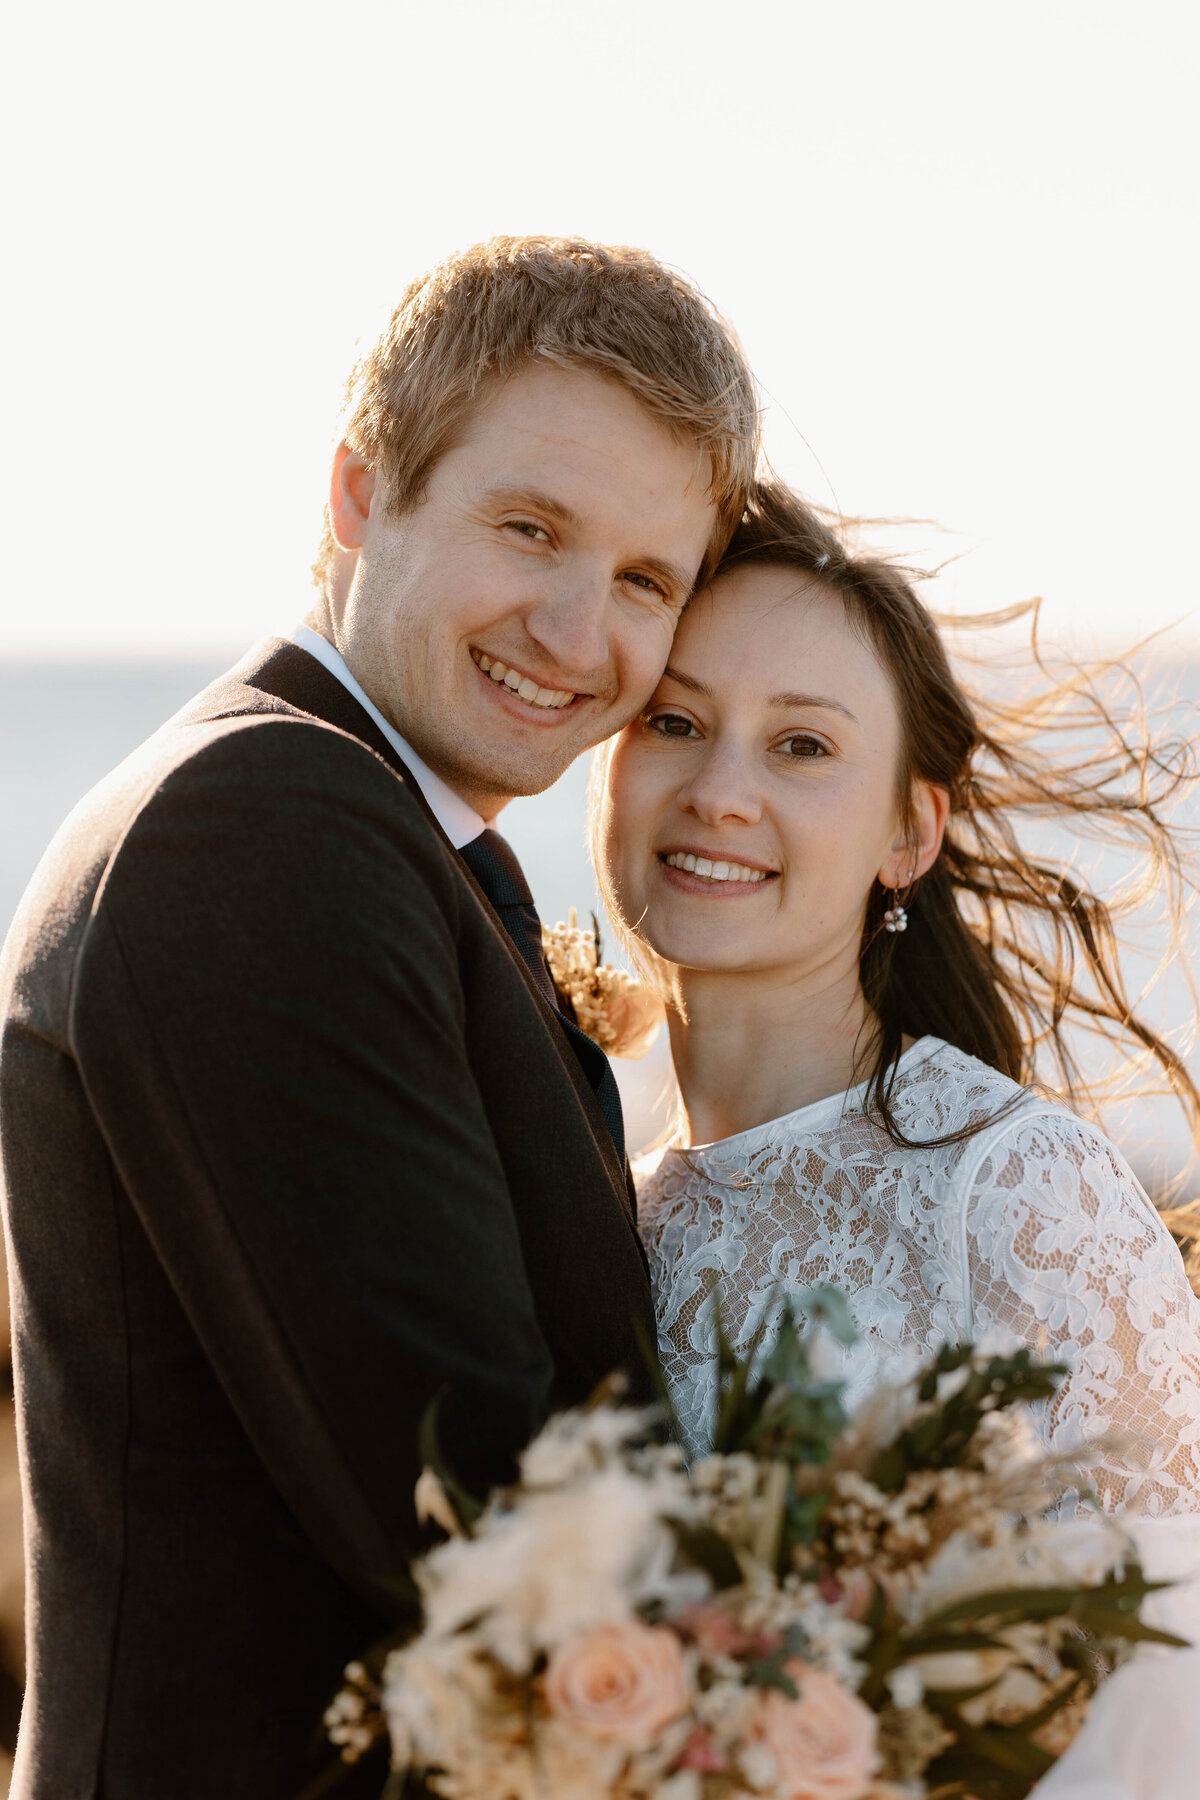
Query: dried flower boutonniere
x=615, y=1010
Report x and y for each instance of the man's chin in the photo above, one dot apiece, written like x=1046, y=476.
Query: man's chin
x=488, y=783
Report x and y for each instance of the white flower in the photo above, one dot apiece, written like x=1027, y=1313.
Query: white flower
x=562, y=1563
x=441, y=1699
x=906, y=1687
x=1007, y=1440
x=758, y=1767
x=683, y=1785
x=574, y=1445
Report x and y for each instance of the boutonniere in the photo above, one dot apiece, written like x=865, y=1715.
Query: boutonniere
x=615, y=1010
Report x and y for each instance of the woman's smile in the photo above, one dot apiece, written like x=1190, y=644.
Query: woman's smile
x=712, y=872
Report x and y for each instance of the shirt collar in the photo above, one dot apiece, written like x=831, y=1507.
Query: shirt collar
x=460, y=822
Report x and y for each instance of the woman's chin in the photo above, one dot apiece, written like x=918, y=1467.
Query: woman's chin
x=704, y=952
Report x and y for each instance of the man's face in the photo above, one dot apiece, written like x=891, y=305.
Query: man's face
x=524, y=609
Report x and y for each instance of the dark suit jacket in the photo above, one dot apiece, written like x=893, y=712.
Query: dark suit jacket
x=291, y=1143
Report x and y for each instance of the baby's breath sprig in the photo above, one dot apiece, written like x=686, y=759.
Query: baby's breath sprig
x=615, y=1010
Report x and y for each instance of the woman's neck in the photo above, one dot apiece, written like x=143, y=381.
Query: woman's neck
x=747, y=1049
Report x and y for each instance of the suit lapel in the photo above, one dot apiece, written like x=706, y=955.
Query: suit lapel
x=290, y=674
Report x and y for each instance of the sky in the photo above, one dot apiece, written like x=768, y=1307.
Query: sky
x=958, y=243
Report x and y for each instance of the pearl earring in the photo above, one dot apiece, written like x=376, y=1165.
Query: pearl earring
x=896, y=917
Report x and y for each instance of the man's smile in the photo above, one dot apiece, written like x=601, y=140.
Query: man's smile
x=525, y=687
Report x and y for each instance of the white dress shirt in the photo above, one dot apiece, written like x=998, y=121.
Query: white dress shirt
x=460, y=822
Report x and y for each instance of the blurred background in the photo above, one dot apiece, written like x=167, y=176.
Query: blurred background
x=958, y=244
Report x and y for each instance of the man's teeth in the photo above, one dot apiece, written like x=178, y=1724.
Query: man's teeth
x=713, y=871
x=523, y=685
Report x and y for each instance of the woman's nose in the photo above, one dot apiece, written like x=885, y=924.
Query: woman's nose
x=723, y=787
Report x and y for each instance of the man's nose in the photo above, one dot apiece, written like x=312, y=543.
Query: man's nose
x=723, y=787
x=573, y=620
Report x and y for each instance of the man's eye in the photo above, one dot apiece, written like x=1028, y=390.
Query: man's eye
x=804, y=746
x=670, y=725
x=527, y=528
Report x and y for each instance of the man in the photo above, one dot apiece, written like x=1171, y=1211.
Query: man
x=294, y=1137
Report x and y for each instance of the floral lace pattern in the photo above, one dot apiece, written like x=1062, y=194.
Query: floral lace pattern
x=1032, y=1230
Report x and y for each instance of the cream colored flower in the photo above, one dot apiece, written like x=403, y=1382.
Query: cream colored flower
x=621, y=1014
x=432, y=1502
x=444, y=1701
x=622, y=1683
x=822, y=1744
x=564, y=1562
x=573, y=1765
x=574, y=1445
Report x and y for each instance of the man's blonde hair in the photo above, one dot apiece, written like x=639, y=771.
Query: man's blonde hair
x=482, y=315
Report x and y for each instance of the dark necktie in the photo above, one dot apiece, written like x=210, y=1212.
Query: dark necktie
x=493, y=863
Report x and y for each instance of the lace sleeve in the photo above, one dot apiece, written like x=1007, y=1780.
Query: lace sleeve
x=1066, y=1251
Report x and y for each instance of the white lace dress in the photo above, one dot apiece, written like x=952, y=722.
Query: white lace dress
x=1034, y=1230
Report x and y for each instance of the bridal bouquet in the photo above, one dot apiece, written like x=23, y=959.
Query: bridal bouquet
x=826, y=1608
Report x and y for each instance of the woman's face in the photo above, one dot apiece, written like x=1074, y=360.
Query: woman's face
x=752, y=806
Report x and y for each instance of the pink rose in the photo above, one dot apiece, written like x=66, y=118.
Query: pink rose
x=623, y=1683
x=823, y=1742
x=712, y=1628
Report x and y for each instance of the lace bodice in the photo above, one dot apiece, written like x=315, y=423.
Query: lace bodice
x=1033, y=1229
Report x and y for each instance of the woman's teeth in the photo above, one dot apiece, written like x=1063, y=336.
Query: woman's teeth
x=523, y=685
x=713, y=871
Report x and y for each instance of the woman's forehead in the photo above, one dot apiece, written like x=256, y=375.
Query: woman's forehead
x=764, y=624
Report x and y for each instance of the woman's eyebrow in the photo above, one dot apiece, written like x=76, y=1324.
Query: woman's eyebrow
x=811, y=700
x=696, y=686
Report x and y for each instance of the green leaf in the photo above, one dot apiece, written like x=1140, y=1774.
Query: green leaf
x=737, y=1407
x=942, y=1643
x=707, y=1550
x=1034, y=1721
x=769, y=1672
x=429, y=1449
x=662, y=1392
x=942, y=1437
x=963, y=1776
x=802, y=1518
x=1130, y=1630
x=828, y=1304
x=1007, y=1603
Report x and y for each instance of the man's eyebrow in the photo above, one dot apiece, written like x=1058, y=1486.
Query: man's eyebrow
x=507, y=493
x=515, y=494
x=803, y=701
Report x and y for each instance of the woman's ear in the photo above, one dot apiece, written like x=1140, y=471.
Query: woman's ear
x=929, y=809
x=350, y=489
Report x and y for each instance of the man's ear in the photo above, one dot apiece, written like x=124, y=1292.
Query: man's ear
x=907, y=862
x=350, y=489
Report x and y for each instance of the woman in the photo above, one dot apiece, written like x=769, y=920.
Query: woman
x=808, y=837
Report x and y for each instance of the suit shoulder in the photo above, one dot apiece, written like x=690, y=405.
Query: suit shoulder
x=283, y=779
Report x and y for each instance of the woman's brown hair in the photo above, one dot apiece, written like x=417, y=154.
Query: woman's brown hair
x=1004, y=949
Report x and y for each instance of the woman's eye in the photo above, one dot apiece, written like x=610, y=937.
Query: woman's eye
x=671, y=725
x=647, y=583
x=802, y=745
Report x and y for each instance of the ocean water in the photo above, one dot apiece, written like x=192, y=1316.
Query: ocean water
x=64, y=724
